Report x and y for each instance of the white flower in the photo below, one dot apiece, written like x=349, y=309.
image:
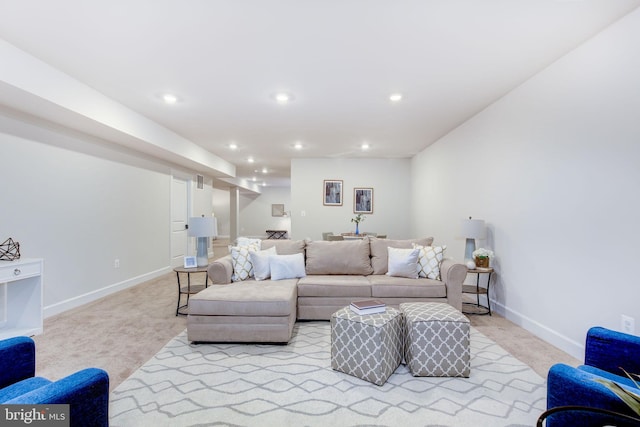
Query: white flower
x=483, y=253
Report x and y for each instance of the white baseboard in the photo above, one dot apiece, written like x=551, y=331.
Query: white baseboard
x=52, y=310
x=543, y=332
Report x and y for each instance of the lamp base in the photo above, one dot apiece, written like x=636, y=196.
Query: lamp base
x=202, y=255
x=470, y=246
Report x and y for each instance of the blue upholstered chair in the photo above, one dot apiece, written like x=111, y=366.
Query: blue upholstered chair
x=606, y=351
x=86, y=391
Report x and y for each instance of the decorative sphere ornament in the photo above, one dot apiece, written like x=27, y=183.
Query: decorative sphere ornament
x=471, y=265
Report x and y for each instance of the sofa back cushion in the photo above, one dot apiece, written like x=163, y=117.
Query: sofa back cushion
x=379, y=254
x=284, y=247
x=340, y=257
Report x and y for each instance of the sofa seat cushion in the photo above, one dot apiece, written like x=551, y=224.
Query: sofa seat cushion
x=247, y=298
x=334, y=286
x=341, y=257
x=383, y=286
x=379, y=251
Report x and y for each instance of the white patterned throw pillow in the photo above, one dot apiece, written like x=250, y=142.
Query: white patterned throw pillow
x=429, y=261
x=241, y=261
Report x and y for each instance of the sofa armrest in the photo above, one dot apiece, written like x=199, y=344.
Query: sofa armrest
x=453, y=274
x=86, y=391
x=17, y=360
x=611, y=350
x=220, y=271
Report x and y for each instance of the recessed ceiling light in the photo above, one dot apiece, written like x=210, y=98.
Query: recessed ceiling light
x=298, y=146
x=250, y=160
x=264, y=184
x=233, y=146
x=169, y=98
x=365, y=146
x=264, y=170
x=282, y=97
x=254, y=179
x=395, y=97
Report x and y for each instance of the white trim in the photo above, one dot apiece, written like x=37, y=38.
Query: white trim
x=543, y=332
x=74, y=302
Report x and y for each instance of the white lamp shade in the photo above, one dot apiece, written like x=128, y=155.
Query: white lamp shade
x=201, y=226
x=473, y=228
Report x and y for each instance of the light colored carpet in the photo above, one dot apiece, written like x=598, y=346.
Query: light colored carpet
x=293, y=385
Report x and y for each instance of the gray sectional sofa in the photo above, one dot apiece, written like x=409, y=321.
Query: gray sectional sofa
x=337, y=273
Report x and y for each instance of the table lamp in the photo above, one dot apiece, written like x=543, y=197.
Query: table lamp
x=472, y=229
x=202, y=228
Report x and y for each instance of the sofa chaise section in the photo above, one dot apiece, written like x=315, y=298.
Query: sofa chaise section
x=247, y=311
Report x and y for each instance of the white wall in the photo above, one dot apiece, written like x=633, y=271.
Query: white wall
x=80, y=204
x=389, y=178
x=202, y=198
x=221, y=210
x=255, y=211
x=553, y=167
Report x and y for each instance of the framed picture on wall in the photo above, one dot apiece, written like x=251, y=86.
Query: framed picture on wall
x=277, y=209
x=332, y=192
x=363, y=200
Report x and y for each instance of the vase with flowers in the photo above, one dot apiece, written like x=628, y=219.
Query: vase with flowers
x=358, y=219
x=482, y=257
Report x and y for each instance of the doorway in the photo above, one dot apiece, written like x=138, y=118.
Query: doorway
x=179, y=219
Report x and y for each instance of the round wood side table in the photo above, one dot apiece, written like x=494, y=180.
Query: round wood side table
x=477, y=290
x=189, y=290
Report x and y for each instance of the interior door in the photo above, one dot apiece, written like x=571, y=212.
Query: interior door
x=179, y=221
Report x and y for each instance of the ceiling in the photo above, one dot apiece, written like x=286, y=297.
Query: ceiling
x=339, y=59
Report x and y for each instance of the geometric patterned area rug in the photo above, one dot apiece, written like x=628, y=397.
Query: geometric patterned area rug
x=294, y=385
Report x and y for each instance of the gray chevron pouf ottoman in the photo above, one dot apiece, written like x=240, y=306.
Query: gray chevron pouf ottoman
x=436, y=340
x=368, y=347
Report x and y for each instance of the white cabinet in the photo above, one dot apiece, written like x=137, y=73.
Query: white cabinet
x=21, y=297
